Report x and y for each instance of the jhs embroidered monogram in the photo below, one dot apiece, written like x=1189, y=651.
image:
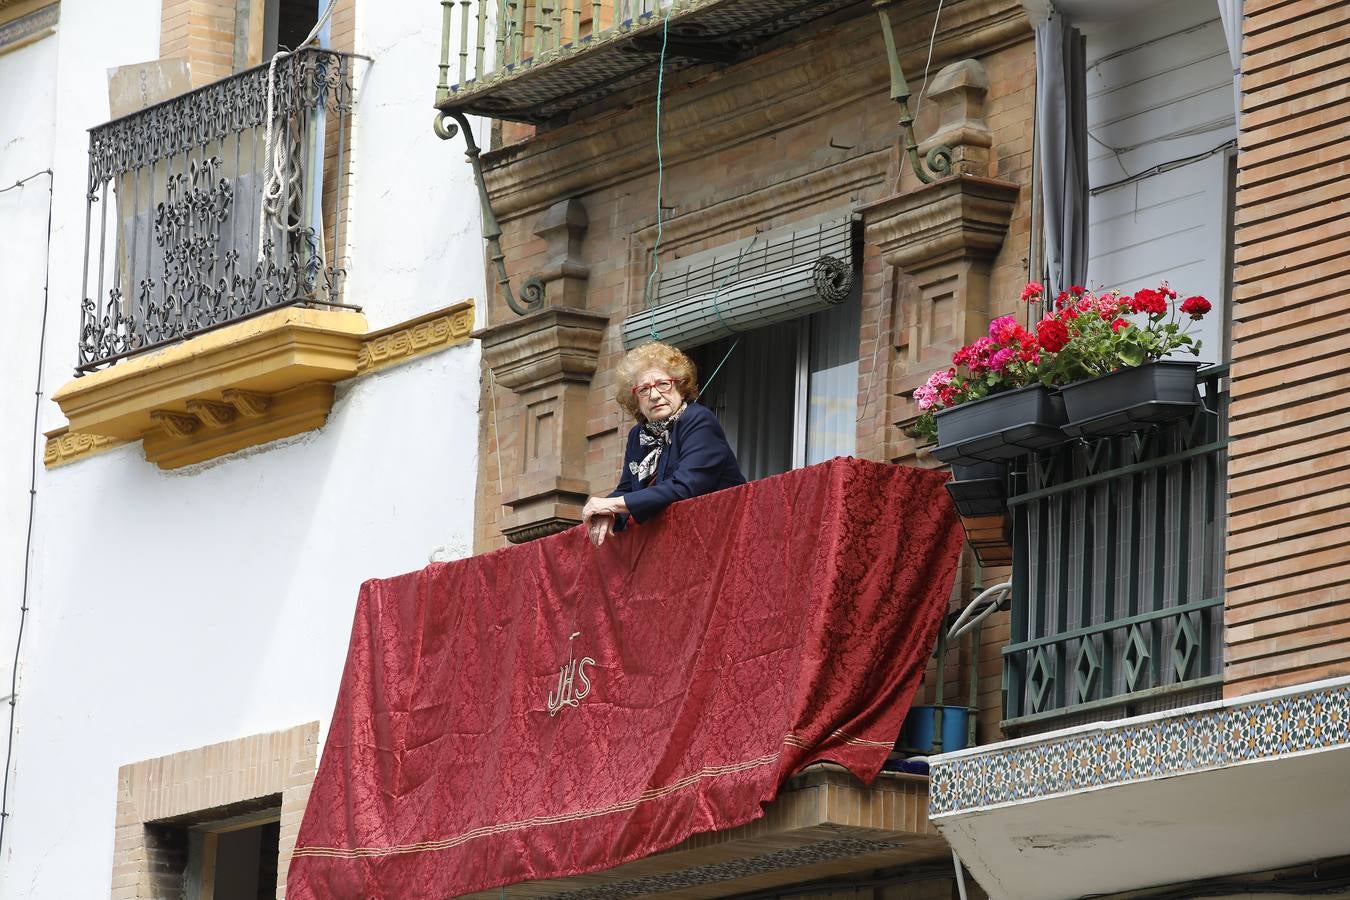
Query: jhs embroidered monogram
x=572, y=671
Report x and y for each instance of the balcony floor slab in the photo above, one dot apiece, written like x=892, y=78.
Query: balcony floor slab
x=1224, y=788
x=823, y=824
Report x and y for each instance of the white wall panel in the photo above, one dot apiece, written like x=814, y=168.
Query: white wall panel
x=170, y=610
x=1160, y=91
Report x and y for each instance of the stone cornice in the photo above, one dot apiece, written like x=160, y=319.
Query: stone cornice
x=64, y=448
x=554, y=344
x=429, y=333
x=736, y=105
x=960, y=217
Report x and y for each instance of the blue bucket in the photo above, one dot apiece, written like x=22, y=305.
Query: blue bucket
x=916, y=736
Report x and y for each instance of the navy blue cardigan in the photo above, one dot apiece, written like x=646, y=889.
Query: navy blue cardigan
x=698, y=461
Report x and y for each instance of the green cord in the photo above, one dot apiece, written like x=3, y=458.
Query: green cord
x=717, y=311
x=713, y=376
x=660, y=175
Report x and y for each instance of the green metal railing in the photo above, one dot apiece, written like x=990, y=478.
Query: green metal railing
x=1118, y=567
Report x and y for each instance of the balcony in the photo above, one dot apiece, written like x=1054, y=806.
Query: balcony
x=221, y=204
x=1118, y=572
x=536, y=61
x=212, y=314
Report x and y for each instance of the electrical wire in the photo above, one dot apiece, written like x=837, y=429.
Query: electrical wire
x=932, y=41
x=32, y=497
x=1163, y=167
x=660, y=173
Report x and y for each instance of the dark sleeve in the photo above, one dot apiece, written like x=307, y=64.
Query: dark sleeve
x=626, y=483
x=704, y=454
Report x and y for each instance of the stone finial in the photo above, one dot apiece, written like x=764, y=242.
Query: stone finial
x=959, y=91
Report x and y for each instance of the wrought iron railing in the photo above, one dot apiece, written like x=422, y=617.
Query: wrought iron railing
x=495, y=35
x=200, y=214
x=1118, y=571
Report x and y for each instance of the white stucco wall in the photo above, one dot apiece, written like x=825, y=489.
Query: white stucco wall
x=171, y=610
x=414, y=203
x=26, y=120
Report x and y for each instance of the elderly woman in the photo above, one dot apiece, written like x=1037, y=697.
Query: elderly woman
x=676, y=450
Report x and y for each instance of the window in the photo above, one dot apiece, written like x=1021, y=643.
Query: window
x=287, y=23
x=206, y=824
x=773, y=324
x=262, y=27
x=787, y=394
x=225, y=854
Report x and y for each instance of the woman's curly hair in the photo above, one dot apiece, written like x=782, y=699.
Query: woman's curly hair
x=654, y=355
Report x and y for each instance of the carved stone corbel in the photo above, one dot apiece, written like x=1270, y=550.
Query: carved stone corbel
x=175, y=425
x=249, y=404
x=944, y=237
x=211, y=414
x=565, y=273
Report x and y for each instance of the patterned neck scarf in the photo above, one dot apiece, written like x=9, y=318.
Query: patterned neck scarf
x=655, y=435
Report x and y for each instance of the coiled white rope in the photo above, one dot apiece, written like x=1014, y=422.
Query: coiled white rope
x=283, y=173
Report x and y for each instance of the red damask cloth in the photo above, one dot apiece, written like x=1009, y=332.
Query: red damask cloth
x=551, y=709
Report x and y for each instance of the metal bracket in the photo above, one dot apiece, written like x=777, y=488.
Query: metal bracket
x=532, y=290
x=939, y=159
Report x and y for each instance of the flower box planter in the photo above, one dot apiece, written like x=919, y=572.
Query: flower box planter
x=1130, y=399
x=999, y=427
x=979, y=489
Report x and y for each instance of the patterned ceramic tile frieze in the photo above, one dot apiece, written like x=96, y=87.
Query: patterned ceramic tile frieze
x=1178, y=743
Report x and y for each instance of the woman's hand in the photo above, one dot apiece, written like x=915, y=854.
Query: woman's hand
x=599, y=527
x=598, y=514
x=603, y=506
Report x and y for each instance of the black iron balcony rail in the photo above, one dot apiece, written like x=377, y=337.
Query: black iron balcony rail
x=537, y=60
x=1118, y=549
x=217, y=205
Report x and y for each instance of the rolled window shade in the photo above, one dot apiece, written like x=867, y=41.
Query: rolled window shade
x=785, y=275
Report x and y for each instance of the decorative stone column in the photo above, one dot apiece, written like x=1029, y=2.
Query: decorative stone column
x=547, y=358
x=945, y=236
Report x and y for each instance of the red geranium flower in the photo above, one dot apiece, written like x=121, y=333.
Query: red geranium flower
x=1032, y=291
x=1052, y=335
x=1195, y=307
x=1119, y=324
x=1149, y=301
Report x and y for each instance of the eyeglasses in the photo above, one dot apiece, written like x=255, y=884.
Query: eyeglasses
x=661, y=387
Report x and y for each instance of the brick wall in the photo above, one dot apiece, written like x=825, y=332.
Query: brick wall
x=1288, y=579
x=148, y=859
x=202, y=32
x=746, y=149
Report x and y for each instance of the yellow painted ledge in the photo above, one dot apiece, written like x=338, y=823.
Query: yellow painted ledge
x=416, y=337
x=256, y=381
x=64, y=448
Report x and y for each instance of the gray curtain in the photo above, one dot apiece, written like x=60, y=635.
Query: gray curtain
x=1061, y=133
x=753, y=395
x=1231, y=13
